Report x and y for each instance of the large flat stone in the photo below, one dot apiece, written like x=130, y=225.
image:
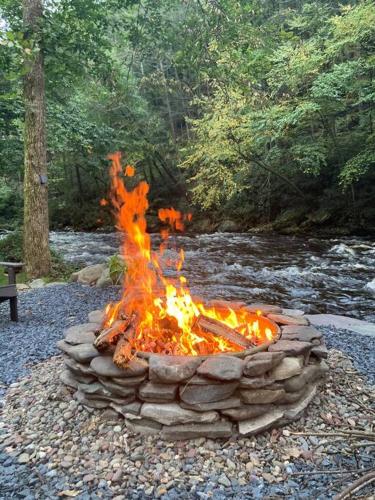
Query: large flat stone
x=343, y=322
x=263, y=308
x=222, y=429
x=126, y=382
x=309, y=374
x=221, y=368
x=105, y=367
x=118, y=390
x=207, y=393
x=259, y=424
x=261, y=362
x=200, y=380
x=299, y=330
x=173, y=414
x=78, y=368
x=289, y=367
x=261, y=396
x=151, y=391
x=143, y=426
x=283, y=319
x=292, y=347
x=247, y=411
x=255, y=382
x=292, y=397
x=92, y=403
x=96, y=316
x=68, y=379
x=82, y=353
x=172, y=368
x=304, y=336
x=294, y=411
x=81, y=334
x=133, y=408
x=320, y=351
x=232, y=402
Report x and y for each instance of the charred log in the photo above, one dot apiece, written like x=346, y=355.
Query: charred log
x=214, y=327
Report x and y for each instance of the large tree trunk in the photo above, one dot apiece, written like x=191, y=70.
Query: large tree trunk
x=36, y=231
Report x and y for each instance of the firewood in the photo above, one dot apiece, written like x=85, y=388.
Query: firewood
x=110, y=335
x=219, y=329
x=123, y=353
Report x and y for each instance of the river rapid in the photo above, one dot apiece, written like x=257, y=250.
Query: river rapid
x=318, y=276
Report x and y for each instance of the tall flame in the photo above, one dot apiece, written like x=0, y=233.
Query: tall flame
x=163, y=308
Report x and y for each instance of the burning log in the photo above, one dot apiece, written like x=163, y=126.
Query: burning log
x=110, y=335
x=219, y=329
x=123, y=351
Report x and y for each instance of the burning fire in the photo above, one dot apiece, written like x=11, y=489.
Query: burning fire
x=164, y=314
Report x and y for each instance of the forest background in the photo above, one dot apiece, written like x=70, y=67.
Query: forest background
x=251, y=114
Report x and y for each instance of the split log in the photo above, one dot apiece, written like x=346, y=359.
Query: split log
x=123, y=352
x=110, y=335
x=215, y=327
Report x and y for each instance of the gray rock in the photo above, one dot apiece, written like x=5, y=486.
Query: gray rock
x=232, y=402
x=96, y=316
x=37, y=283
x=309, y=374
x=90, y=274
x=320, y=352
x=246, y=412
x=82, y=353
x=143, y=426
x=172, y=368
x=81, y=334
x=261, y=396
x=173, y=414
x=304, y=333
x=91, y=403
x=263, y=308
x=261, y=362
x=130, y=381
x=292, y=397
x=78, y=368
x=105, y=279
x=292, y=347
x=96, y=388
x=222, y=368
x=199, y=380
x=294, y=411
x=259, y=424
x=283, y=319
x=151, y=391
x=289, y=367
x=68, y=379
x=207, y=393
x=118, y=390
x=221, y=429
x=255, y=382
x=133, y=408
x=104, y=366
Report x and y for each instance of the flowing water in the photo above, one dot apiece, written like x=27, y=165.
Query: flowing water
x=319, y=276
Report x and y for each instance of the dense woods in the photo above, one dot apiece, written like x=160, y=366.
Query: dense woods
x=249, y=113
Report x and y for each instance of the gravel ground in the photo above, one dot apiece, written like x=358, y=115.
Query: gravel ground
x=50, y=446
x=44, y=314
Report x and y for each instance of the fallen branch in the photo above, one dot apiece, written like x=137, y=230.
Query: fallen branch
x=357, y=434
x=218, y=329
x=361, y=483
x=337, y=471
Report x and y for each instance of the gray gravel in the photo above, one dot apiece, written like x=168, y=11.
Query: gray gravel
x=44, y=314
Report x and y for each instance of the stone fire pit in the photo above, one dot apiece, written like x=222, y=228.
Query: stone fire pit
x=217, y=396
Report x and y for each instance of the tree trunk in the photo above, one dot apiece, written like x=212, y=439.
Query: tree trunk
x=36, y=231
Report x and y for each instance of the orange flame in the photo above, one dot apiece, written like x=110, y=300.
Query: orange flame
x=164, y=309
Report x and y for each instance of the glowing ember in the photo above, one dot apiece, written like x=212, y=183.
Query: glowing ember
x=165, y=316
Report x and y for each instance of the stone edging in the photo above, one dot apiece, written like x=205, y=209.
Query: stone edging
x=217, y=396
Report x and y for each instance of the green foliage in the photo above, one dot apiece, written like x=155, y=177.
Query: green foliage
x=11, y=247
x=117, y=268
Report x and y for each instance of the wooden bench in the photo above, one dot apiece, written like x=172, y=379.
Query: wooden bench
x=9, y=292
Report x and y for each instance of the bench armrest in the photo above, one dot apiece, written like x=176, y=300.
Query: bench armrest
x=12, y=269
